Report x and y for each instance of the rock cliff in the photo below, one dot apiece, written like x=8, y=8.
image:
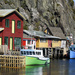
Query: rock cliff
x=41, y=14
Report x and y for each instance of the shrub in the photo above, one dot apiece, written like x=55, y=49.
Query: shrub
x=71, y=2
x=1, y=53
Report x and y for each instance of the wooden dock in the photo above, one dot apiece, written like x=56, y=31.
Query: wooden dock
x=9, y=61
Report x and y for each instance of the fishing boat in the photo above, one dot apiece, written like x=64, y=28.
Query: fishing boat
x=34, y=57
x=72, y=51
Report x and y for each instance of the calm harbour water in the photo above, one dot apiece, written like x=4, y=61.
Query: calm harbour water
x=56, y=67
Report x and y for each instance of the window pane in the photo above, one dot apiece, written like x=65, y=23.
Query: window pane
x=7, y=23
x=17, y=42
x=28, y=42
x=21, y=52
x=18, y=24
x=6, y=40
x=43, y=40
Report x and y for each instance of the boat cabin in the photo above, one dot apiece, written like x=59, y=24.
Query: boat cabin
x=26, y=52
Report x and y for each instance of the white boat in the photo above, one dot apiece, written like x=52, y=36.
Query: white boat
x=34, y=57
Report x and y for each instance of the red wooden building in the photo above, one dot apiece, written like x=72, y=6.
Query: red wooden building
x=11, y=24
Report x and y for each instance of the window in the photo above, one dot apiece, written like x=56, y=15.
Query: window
x=27, y=53
x=24, y=52
x=13, y=26
x=28, y=42
x=30, y=53
x=6, y=40
x=55, y=41
x=18, y=24
x=43, y=40
x=17, y=42
x=33, y=53
x=39, y=53
x=7, y=23
x=21, y=52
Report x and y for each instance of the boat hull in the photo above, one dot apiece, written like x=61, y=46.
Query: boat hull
x=72, y=54
x=36, y=61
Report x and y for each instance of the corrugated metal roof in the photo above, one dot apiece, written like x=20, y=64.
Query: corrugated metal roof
x=5, y=12
x=39, y=34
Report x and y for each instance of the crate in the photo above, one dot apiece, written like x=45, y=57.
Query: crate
x=10, y=61
x=3, y=49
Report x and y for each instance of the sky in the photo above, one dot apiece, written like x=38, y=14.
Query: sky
x=74, y=2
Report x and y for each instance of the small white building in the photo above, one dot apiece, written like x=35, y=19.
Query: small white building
x=28, y=40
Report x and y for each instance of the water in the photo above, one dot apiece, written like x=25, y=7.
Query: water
x=56, y=67
x=63, y=67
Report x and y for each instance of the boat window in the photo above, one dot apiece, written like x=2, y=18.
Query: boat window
x=33, y=53
x=74, y=48
x=30, y=53
x=29, y=47
x=25, y=52
x=21, y=52
x=36, y=53
x=39, y=53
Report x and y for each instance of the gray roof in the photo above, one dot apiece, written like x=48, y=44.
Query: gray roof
x=26, y=36
x=39, y=34
x=56, y=31
x=1, y=29
x=5, y=12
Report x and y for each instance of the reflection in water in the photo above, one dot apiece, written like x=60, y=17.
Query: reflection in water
x=63, y=67
x=56, y=67
x=38, y=70
x=29, y=70
x=33, y=70
x=71, y=67
x=7, y=71
x=59, y=67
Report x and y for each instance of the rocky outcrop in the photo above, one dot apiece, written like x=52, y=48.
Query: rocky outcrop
x=41, y=14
